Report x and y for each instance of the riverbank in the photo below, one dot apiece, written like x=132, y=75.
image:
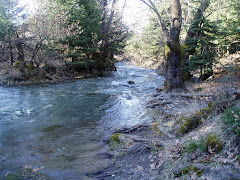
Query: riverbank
x=158, y=151
x=196, y=138
x=51, y=73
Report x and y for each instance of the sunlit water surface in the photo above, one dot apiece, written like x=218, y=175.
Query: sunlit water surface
x=82, y=112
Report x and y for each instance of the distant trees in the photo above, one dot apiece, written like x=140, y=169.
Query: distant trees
x=86, y=33
x=228, y=24
x=96, y=35
x=9, y=11
x=146, y=48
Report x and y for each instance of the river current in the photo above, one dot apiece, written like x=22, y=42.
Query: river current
x=78, y=114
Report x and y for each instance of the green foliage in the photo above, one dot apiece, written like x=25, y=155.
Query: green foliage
x=204, y=47
x=84, y=18
x=114, y=141
x=86, y=39
x=81, y=65
x=231, y=118
x=6, y=25
x=193, y=146
x=229, y=29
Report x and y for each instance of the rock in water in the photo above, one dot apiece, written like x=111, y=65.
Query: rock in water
x=131, y=82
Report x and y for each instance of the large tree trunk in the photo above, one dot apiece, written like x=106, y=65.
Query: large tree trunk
x=173, y=52
x=173, y=58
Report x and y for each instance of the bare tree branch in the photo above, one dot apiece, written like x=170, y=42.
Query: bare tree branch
x=163, y=26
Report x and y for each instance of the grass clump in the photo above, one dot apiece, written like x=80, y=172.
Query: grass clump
x=115, y=142
x=231, y=119
x=193, y=146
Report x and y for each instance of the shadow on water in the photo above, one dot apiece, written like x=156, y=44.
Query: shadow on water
x=59, y=127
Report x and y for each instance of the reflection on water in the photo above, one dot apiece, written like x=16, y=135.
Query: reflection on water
x=82, y=111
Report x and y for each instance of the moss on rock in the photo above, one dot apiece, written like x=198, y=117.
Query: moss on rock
x=115, y=137
x=189, y=123
x=214, y=143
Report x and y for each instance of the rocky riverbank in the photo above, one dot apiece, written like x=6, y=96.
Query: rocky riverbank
x=190, y=141
x=49, y=73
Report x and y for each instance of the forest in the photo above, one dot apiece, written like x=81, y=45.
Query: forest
x=80, y=36
x=99, y=97
x=86, y=36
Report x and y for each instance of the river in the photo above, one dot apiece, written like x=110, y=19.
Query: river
x=78, y=113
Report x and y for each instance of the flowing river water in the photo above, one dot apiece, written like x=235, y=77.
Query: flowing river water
x=77, y=115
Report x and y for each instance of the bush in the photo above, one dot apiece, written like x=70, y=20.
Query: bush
x=231, y=119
